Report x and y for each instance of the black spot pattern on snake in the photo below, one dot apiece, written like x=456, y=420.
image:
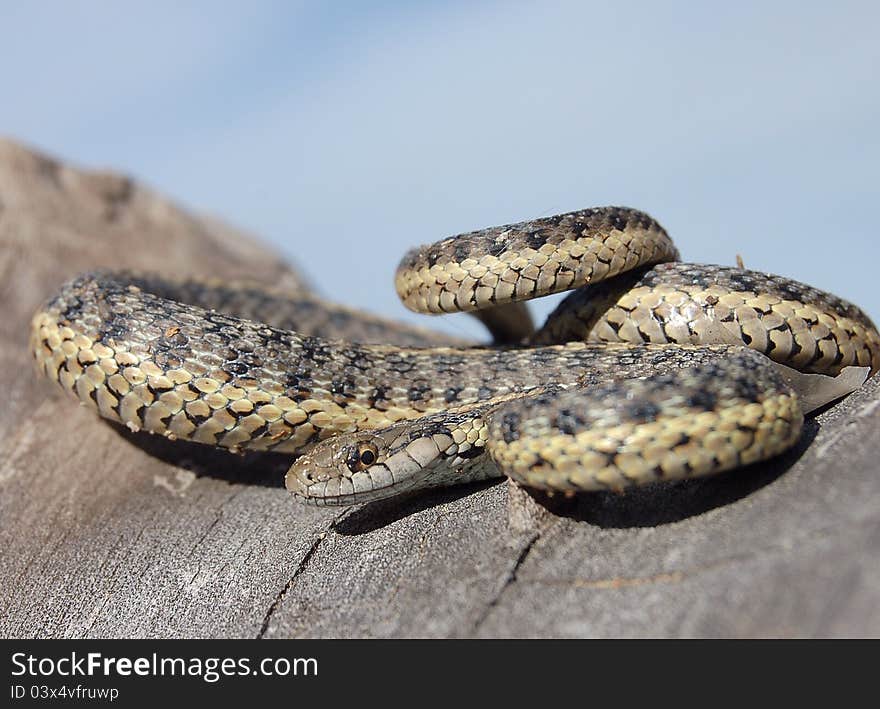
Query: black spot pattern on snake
x=114, y=329
x=702, y=400
x=298, y=383
x=497, y=247
x=71, y=307
x=535, y=239
x=510, y=421
x=317, y=351
x=642, y=411
x=568, y=422
x=538, y=462
x=451, y=394
x=617, y=220
x=748, y=386
x=242, y=346
x=359, y=361
x=545, y=356
x=345, y=388
x=379, y=393
x=399, y=363
x=418, y=391
x=236, y=368
x=448, y=362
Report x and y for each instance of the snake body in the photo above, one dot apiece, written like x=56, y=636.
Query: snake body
x=694, y=411
x=641, y=395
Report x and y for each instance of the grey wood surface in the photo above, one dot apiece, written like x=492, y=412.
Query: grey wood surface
x=104, y=533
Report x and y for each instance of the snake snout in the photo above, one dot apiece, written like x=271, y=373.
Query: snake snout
x=339, y=471
x=309, y=470
x=298, y=480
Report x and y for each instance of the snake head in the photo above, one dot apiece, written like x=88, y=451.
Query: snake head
x=409, y=455
x=359, y=467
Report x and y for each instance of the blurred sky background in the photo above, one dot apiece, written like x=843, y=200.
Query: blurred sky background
x=345, y=132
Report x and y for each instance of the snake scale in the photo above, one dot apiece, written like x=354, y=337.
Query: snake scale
x=649, y=370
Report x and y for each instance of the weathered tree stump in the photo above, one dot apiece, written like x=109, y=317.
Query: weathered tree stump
x=105, y=533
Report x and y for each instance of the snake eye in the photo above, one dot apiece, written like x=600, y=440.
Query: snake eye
x=362, y=456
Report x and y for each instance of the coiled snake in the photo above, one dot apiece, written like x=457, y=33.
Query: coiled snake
x=622, y=386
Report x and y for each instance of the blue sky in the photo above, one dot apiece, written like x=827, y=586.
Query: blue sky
x=343, y=133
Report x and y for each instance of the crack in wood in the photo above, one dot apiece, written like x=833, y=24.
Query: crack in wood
x=508, y=582
x=303, y=563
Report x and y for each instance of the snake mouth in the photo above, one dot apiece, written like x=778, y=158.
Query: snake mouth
x=334, y=472
x=323, y=489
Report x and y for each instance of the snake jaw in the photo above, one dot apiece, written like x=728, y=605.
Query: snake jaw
x=409, y=456
x=405, y=459
x=333, y=473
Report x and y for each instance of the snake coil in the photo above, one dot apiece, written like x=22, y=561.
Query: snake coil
x=650, y=370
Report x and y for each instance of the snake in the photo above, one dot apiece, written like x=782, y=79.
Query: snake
x=650, y=370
